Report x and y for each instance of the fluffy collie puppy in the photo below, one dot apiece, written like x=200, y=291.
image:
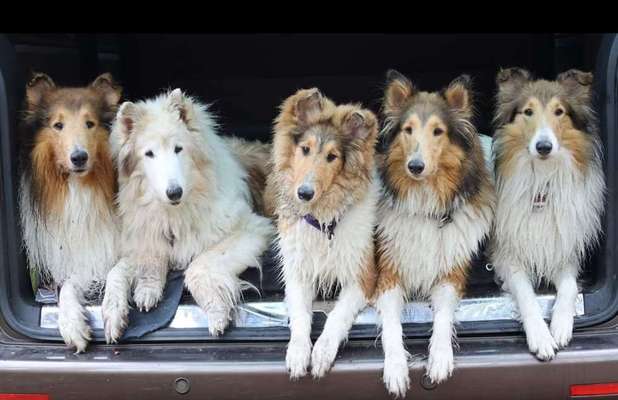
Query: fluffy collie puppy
x=435, y=212
x=185, y=204
x=66, y=193
x=325, y=189
x=550, y=187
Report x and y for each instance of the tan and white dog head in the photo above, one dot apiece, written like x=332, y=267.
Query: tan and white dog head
x=159, y=141
x=546, y=120
x=71, y=124
x=428, y=138
x=321, y=149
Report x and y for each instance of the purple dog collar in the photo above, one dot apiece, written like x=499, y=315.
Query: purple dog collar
x=328, y=229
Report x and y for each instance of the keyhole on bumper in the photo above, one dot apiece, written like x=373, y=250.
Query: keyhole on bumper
x=182, y=385
x=426, y=383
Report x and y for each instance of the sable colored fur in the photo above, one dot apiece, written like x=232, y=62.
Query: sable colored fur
x=435, y=212
x=323, y=171
x=550, y=186
x=66, y=193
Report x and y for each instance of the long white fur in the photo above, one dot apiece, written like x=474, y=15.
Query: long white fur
x=390, y=306
x=417, y=242
x=426, y=253
x=311, y=264
x=75, y=247
x=216, y=235
x=531, y=245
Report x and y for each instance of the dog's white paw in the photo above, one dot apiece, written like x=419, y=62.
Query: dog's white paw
x=297, y=358
x=440, y=364
x=115, y=319
x=561, y=328
x=75, y=332
x=146, y=297
x=218, y=319
x=540, y=341
x=396, y=375
x=323, y=356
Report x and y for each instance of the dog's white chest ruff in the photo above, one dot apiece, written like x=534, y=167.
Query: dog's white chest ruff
x=546, y=221
x=79, y=242
x=309, y=254
x=426, y=249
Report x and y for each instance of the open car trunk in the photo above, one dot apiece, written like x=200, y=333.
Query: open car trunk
x=247, y=77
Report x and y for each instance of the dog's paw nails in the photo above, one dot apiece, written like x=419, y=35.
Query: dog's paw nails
x=323, y=356
x=218, y=320
x=561, y=329
x=297, y=359
x=440, y=364
x=146, y=298
x=113, y=328
x=396, y=376
x=540, y=341
x=114, y=313
x=76, y=335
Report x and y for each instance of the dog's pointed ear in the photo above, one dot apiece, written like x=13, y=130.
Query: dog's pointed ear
x=577, y=84
x=360, y=124
x=458, y=95
x=179, y=102
x=108, y=88
x=127, y=118
x=510, y=82
x=309, y=105
x=511, y=79
x=398, y=90
x=36, y=88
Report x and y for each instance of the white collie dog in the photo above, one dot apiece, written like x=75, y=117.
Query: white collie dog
x=550, y=187
x=436, y=210
x=66, y=194
x=325, y=189
x=185, y=203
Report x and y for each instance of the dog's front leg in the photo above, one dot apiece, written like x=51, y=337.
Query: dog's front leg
x=150, y=278
x=540, y=340
x=561, y=326
x=212, y=277
x=72, y=318
x=351, y=301
x=115, y=306
x=299, y=296
x=444, y=301
x=389, y=305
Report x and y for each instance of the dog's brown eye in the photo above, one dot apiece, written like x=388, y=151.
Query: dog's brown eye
x=331, y=157
x=89, y=124
x=438, y=131
x=58, y=126
x=408, y=130
x=177, y=149
x=305, y=150
x=559, y=112
x=149, y=153
x=528, y=112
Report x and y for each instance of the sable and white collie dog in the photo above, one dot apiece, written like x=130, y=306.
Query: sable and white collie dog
x=66, y=193
x=435, y=212
x=325, y=189
x=550, y=186
x=185, y=203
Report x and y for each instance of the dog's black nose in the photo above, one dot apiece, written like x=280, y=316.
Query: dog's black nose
x=174, y=193
x=416, y=166
x=79, y=158
x=543, y=147
x=305, y=193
